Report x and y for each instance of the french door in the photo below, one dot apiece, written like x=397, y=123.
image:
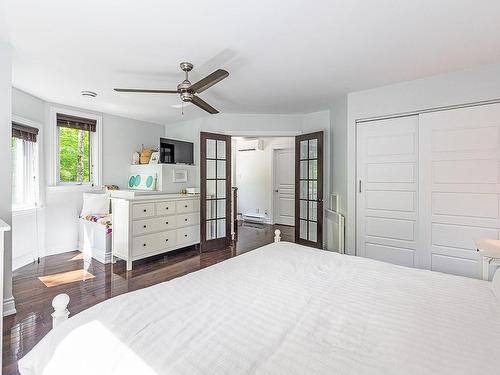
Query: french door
x=309, y=189
x=215, y=189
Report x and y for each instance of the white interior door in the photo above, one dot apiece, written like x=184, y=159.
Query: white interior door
x=284, y=186
x=387, y=177
x=459, y=185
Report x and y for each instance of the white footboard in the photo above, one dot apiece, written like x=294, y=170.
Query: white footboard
x=60, y=305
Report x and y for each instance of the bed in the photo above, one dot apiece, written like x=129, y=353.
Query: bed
x=285, y=309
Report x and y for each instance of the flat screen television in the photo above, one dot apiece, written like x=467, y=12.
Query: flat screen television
x=173, y=151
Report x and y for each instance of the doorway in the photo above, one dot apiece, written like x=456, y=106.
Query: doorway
x=284, y=186
x=263, y=170
x=264, y=182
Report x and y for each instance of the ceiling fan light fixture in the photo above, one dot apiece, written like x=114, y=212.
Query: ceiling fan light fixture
x=186, y=96
x=91, y=94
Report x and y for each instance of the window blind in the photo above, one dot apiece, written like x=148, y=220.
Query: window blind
x=73, y=122
x=24, y=132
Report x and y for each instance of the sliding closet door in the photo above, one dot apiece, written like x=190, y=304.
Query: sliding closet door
x=215, y=189
x=459, y=185
x=309, y=189
x=387, y=188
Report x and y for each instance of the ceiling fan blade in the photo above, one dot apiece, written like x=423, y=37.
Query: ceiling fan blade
x=203, y=105
x=149, y=91
x=209, y=81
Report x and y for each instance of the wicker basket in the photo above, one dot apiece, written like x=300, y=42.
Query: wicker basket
x=145, y=155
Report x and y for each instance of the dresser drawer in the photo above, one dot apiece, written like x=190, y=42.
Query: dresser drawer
x=142, y=210
x=185, y=220
x=165, y=208
x=188, y=235
x=188, y=206
x=156, y=224
x=152, y=242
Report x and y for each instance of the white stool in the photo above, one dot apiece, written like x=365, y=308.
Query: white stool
x=490, y=252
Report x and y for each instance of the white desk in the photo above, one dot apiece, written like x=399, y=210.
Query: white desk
x=490, y=252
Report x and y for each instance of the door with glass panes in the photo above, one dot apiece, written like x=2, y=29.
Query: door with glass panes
x=215, y=190
x=309, y=189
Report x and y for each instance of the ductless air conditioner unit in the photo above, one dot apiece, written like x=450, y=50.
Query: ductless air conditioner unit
x=251, y=145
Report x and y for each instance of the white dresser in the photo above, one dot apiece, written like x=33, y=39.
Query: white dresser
x=149, y=224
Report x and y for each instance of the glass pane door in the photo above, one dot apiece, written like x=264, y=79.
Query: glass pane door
x=309, y=189
x=215, y=191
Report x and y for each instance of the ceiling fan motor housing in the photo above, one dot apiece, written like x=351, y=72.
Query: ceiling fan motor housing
x=184, y=86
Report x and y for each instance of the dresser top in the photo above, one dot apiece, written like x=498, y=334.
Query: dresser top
x=138, y=195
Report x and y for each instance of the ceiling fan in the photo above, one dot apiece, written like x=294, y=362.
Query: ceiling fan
x=187, y=90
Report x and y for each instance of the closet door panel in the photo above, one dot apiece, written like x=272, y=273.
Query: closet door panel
x=387, y=173
x=459, y=185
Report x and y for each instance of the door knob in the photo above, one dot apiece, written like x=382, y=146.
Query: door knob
x=276, y=190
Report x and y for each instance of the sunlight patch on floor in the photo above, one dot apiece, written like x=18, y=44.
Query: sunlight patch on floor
x=65, y=278
x=78, y=256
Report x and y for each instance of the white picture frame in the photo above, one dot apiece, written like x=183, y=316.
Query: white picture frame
x=179, y=175
x=155, y=158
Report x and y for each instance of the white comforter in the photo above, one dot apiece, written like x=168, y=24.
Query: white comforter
x=284, y=309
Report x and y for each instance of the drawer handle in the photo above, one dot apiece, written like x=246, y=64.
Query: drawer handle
x=186, y=206
x=166, y=240
x=166, y=208
x=143, y=244
x=185, y=235
x=166, y=222
x=144, y=226
x=185, y=219
x=144, y=210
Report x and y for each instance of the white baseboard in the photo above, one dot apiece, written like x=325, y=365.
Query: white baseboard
x=9, y=306
x=22, y=261
x=97, y=254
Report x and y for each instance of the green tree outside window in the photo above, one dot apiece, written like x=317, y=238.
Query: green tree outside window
x=74, y=155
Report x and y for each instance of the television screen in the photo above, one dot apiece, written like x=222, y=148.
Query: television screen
x=176, y=152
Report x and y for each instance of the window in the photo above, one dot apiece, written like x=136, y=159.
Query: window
x=24, y=150
x=76, y=151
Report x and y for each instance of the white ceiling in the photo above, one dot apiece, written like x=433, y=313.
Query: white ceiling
x=286, y=56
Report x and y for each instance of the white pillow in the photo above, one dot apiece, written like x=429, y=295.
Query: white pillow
x=495, y=283
x=95, y=204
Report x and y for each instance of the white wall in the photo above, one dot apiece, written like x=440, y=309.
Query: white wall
x=338, y=144
x=234, y=124
x=57, y=219
x=254, y=178
x=5, y=173
x=456, y=88
x=121, y=137
x=263, y=125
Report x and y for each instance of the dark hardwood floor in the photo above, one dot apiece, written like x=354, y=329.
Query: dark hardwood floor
x=33, y=298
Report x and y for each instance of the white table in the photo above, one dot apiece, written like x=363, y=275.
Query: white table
x=490, y=252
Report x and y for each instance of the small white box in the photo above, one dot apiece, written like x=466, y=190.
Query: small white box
x=193, y=190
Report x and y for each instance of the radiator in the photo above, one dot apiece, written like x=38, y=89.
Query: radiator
x=335, y=231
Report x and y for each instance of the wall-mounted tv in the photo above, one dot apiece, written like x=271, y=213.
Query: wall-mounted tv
x=173, y=151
